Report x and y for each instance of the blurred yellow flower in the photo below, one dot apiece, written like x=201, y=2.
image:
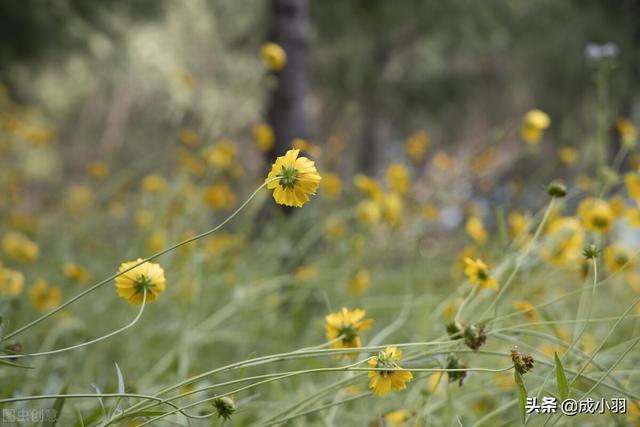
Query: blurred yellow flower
x=385, y=381
x=143, y=218
x=633, y=217
x=398, y=178
x=596, y=214
x=264, y=136
x=632, y=182
x=417, y=145
x=478, y=274
x=187, y=80
x=190, y=162
x=359, y=283
x=564, y=241
x=189, y=137
x=475, y=229
x=617, y=258
x=147, y=277
x=306, y=147
x=11, y=281
x=298, y=179
x=75, y=272
x=332, y=185
x=396, y=418
x=533, y=125
x=346, y=325
x=18, y=247
x=527, y=308
x=430, y=212
x=153, y=183
x=368, y=185
x=517, y=223
x=305, y=273
x=392, y=207
x=220, y=197
x=584, y=183
x=335, y=228
x=618, y=206
x=567, y=155
x=79, y=198
x=221, y=154
x=442, y=161
x=157, y=241
x=273, y=56
x=368, y=212
x=98, y=169
x=44, y=297
x=626, y=129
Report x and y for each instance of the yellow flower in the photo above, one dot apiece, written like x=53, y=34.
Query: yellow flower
x=19, y=247
x=306, y=272
x=533, y=125
x=417, y=145
x=273, y=56
x=157, y=241
x=79, y=199
x=190, y=162
x=626, y=129
x=632, y=182
x=596, y=214
x=398, y=178
x=368, y=185
x=475, y=229
x=306, y=147
x=44, y=297
x=187, y=80
x=360, y=282
x=189, y=137
x=567, y=155
x=517, y=223
x=264, y=136
x=11, y=282
x=298, y=179
x=385, y=381
x=618, y=206
x=617, y=259
x=221, y=154
x=442, y=161
x=153, y=183
x=334, y=228
x=564, y=241
x=75, y=272
x=478, y=274
x=143, y=218
x=368, y=212
x=633, y=216
x=392, y=207
x=332, y=185
x=220, y=197
x=99, y=170
x=527, y=308
x=396, y=418
x=346, y=324
x=147, y=277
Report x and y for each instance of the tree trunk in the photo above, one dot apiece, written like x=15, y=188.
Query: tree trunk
x=286, y=113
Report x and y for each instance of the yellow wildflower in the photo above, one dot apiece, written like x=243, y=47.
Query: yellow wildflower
x=332, y=185
x=44, y=297
x=632, y=182
x=18, y=247
x=221, y=154
x=306, y=272
x=359, y=282
x=153, y=183
x=98, y=169
x=368, y=212
x=533, y=125
x=475, y=229
x=346, y=324
x=563, y=244
x=618, y=206
x=334, y=228
x=517, y=223
x=11, y=282
x=298, y=179
x=617, y=258
x=273, y=56
x=567, y=155
x=75, y=272
x=220, y=197
x=385, y=381
x=264, y=136
x=430, y=212
x=396, y=418
x=189, y=137
x=478, y=274
x=596, y=214
x=633, y=216
x=79, y=199
x=306, y=147
x=527, y=308
x=157, y=241
x=626, y=129
x=392, y=207
x=368, y=185
x=442, y=161
x=398, y=178
x=417, y=145
x=147, y=277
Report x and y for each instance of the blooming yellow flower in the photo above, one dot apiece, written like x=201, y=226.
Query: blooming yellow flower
x=306, y=147
x=99, y=170
x=220, y=197
x=147, y=277
x=190, y=162
x=298, y=179
x=617, y=258
x=517, y=223
x=305, y=273
x=44, y=297
x=18, y=247
x=153, y=183
x=157, y=241
x=398, y=178
x=332, y=185
x=527, y=308
x=618, y=206
x=79, y=199
x=385, y=381
x=596, y=214
x=11, y=281
x=189, y=137
x=632, y=182
x=442, y=161
x=359, y=282
x=564, y=241
x=567, y=155
x=478, y=274
x=633, y=216
x=368, y=185
x=392, y=207
x=273, y=56
x=417, y=145
x=475, y=229
x=222, y=154
x=75, y=272
x=335, y=228
x=533, y=125
x=264, y=136
x=626, y=129
x=368, y=212
x=396, y=418
x=346, y=324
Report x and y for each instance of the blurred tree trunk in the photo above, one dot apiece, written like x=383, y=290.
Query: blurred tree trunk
x=286, y=112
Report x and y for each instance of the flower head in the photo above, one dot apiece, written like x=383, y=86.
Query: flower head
x=398, y=178
x=298, y=179
x=11, y=281
x=478, y=274
x=346, y=324
x=43, y=296
x=264, y=136
x=533, y=125
x=273, y=56
x=132, y=285
x=19, y=247
x=476, y=230
x=596, y=214
x=417, y=145
x=384, y=381
x=618, y=258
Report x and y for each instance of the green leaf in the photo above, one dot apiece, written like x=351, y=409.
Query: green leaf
x=15, y=365
x=522, y=395
x=57, y=408
x=561, y=378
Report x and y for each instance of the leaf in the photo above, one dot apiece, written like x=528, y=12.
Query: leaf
x=143, y=414
x=56, y=409
x=120, y=379
x=15, y=365
x=522, y=395
x=561, y=379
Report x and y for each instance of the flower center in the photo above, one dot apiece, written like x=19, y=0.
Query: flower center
x=348, y=332
x=482, y=275
x=600, y=222
x=143, y=283
x=289, y=177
